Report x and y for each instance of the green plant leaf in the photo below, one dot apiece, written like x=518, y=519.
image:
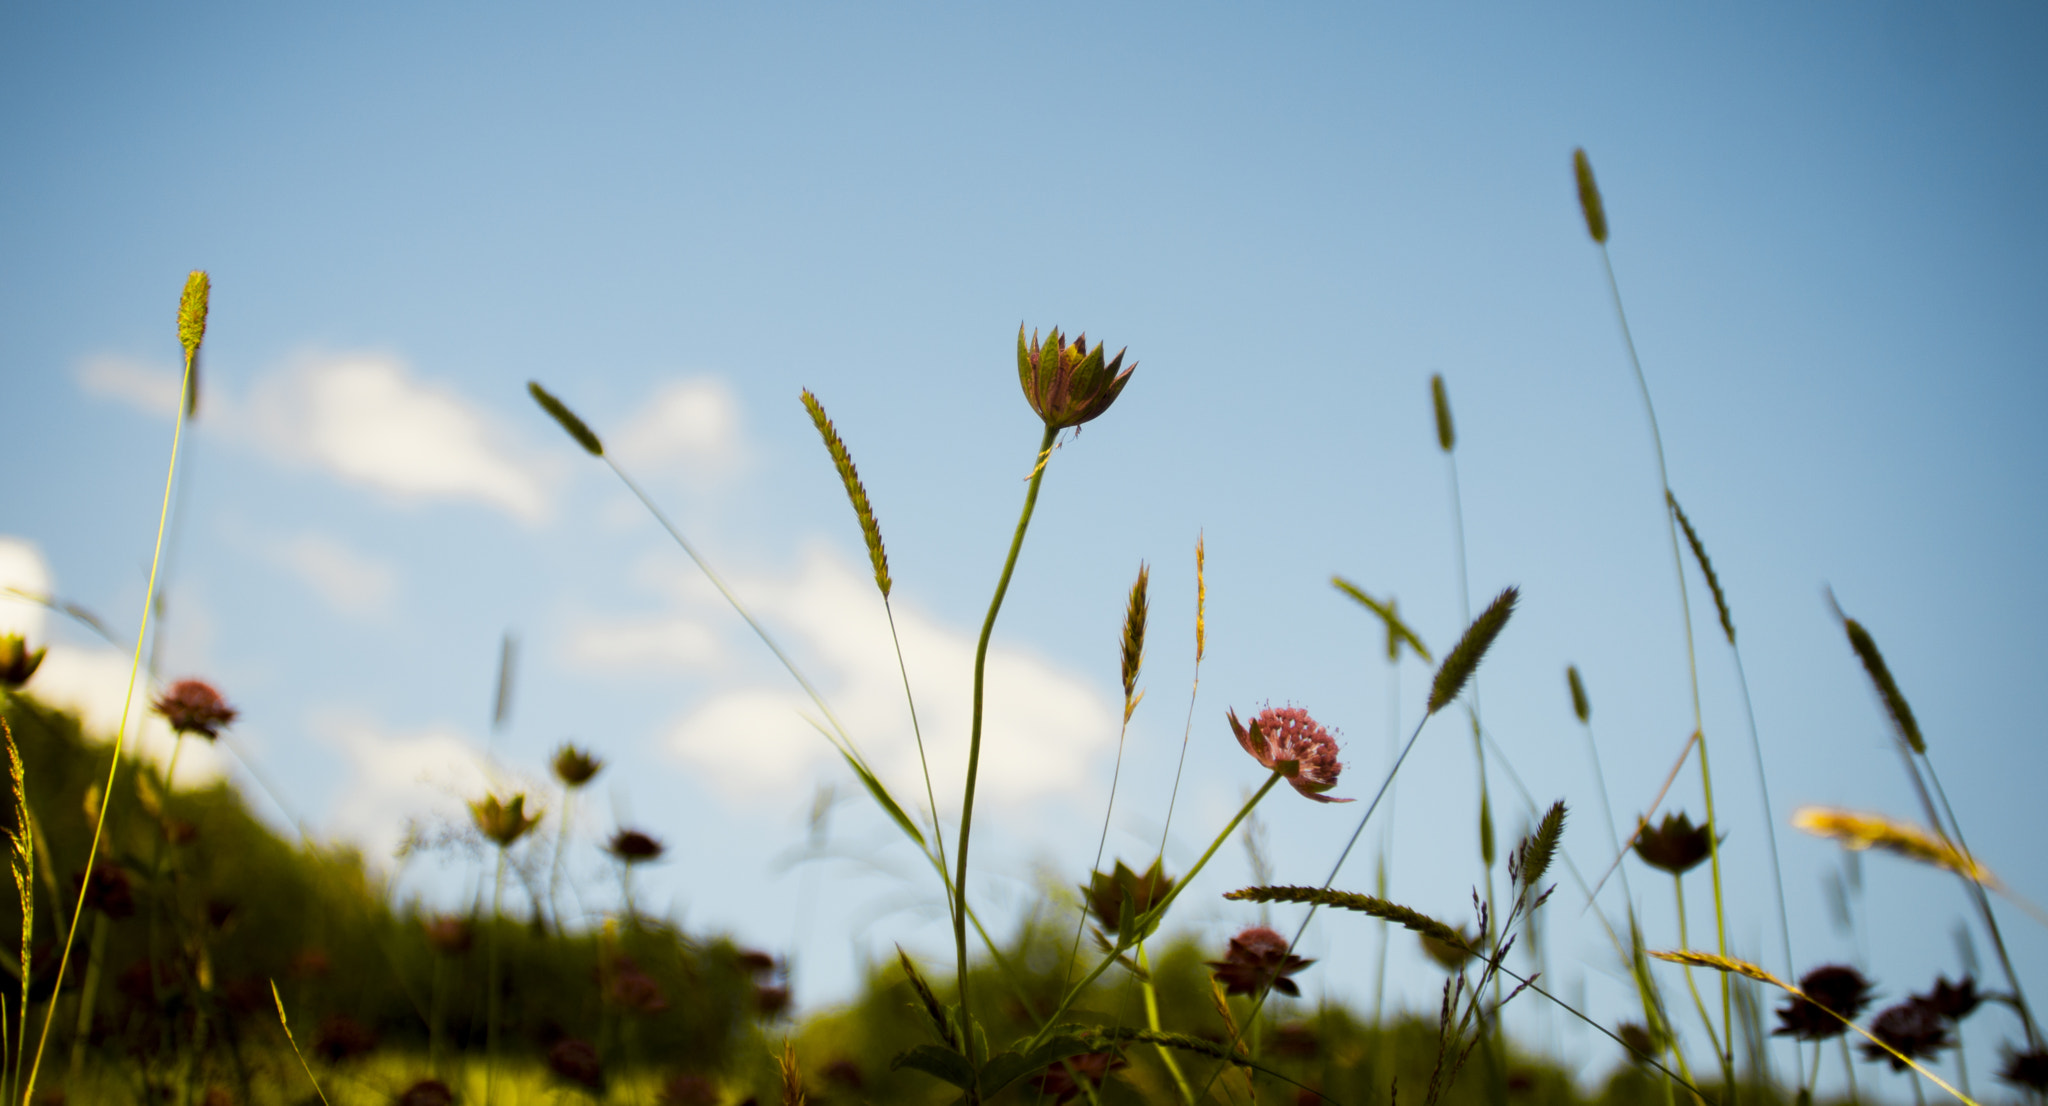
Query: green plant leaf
x=939, y=1063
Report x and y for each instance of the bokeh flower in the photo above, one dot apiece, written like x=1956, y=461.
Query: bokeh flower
x=634, y=847
x=1287, y=740
x=574, y=767
x=17, y=663
x=1068, y=384
x=1915, y=1028
x=1258, y=958
x=1677, y=846
x=2026, y=1069
x=193, y=706
x=1834, y=987
x=504, y=822
x=1953, y=1001
x=575, y=1060
x=427, y=1092
x=449, y=935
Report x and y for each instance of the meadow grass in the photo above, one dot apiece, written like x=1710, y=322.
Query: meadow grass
x=225, y=964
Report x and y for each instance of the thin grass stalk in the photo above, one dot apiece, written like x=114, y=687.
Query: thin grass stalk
x=1133, y=643
x=1691, y=658
x=988, y=626
x=1180, y=1080
x=491, y=974
x=924, y=766
x=1984, y=906
x=121, y=731
x=1194, y=689
x=1684, y=940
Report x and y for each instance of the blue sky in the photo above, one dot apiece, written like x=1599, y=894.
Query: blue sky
x=1825, y=230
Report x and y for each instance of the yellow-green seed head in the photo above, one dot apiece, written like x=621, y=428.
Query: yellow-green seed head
x=1446, y=434
x=192, y=313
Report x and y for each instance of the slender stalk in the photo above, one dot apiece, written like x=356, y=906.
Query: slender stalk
x=1691, y=659
x=988, y=626
x=1678, y=889
x=561, y=847
x=1180, y=1081
x=1101, y=843
x=120, y=733
x=491, y=1006
x=930, y=797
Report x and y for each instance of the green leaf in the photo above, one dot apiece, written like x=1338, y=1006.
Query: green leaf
x=1008, y=1066
x=939, y=1063
x=882, y=796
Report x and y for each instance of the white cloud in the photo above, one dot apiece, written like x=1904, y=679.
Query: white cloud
x=691, y=424
x=353, y=583
x=1041, y=726
x=150, y=388
x=23, y=569
x=664, y=644
x=400, y=778
x=367, y=419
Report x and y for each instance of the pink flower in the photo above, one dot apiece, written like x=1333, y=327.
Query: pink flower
x=1287, y=740
x=193, y=706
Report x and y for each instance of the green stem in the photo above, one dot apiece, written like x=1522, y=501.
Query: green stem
x=1678, y=888
x=1691, y=660
x=988, y=627
x=1180, y=1081
x=930, y=797
x=491, y=1010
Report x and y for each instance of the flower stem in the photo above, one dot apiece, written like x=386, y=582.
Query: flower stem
x=1180, y=1081
x=491, y=1015
x=988, y=627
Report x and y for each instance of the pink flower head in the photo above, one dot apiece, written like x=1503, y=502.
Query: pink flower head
x=1287, y=740
x=193, y=706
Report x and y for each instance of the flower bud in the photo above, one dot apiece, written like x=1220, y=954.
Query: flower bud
x=1068, y=384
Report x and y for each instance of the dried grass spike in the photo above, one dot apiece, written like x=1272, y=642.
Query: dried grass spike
x=941, y=1025
x=566, y=418
x=1446, y=434
x=1699, y=553
x=1589, y=196
x=1464, y=659
x=1857, y=831
x=1133, y=645
x=1887, y=689
x=1201, y=601
x=1581, y=706
x=870, y=530
x=21, y=854
x=1405, y=917
x=1693, y=959
x=792, y=1079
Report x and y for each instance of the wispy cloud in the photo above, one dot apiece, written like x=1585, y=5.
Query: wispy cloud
x=690, y=427
x=398, y=779
x=353, y=583
x=151, y=388
x=1042, y=724
x=366, y=418
x=642, y=644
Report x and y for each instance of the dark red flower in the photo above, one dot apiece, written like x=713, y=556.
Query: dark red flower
x=845, y=1073
x=754, y=961
x=634, y=847
x=193, y=706
x=1058, y=1080
x=771, y=1001
x=2026, y=1069
x=576, y=1061
x=1834, y=987
x=1288, y=740
x=633, y=989
x=1914, y=1027
x=1677, y=846
x=1256, y=959
x=1953, y=1001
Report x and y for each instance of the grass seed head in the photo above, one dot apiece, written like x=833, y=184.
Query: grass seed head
x=1446, y=434
x=1066, y=383
x=565, y=418
x=1589, y=196
x=1887, y=688
x=1581, y=706
x=1464, y=658
x=1858, y=831
x=856, y=492
x=1132, y=645
x=192, y=313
